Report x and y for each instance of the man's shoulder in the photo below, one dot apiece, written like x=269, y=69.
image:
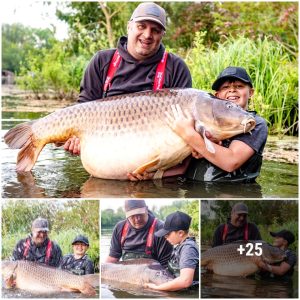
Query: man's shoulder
x=103, y=57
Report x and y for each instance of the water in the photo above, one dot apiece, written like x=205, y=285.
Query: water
x=216, y=286
x=133, y=292
x=58, y=174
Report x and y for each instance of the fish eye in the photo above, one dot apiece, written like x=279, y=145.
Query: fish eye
x=229, y=105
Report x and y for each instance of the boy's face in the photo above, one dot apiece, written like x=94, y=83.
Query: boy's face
x=235, y=91
x=174, y=237
x=80, y=248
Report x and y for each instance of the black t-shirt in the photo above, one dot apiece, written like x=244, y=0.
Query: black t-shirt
x=235, y=234
x=135, y=241
x=203, y=170
x=37, y=253
x=81, y=266
x=131, y=76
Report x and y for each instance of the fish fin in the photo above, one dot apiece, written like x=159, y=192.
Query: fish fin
x=158, y=174
x=22, y=137
x=87, y=289
x=143, y=168
x=92, y=279
x=208, y=144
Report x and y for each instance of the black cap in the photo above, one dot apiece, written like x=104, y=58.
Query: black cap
x=232, y=72
x=286, y=234
x=81, y=239
x=174, y=222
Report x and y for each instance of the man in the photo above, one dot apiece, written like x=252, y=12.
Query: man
x=282, y=239
x=37, y=246
x=237, y=159
x=184, y=261
x=236, y=228
x=140, y=63
x=78, y=263
x=134, y=237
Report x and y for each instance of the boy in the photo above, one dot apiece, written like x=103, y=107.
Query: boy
x=78, y=262
x=184, y=261
x=236, y=159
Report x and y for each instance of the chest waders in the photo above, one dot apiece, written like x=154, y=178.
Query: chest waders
x=149, y=243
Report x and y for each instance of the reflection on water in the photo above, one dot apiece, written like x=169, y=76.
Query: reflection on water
x=59, y=174
x=216, y=286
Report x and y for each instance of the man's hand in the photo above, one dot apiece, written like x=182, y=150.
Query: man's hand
x=140, y=177
x=73, y=145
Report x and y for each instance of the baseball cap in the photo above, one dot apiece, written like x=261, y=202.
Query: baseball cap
x=286, y=234
x=149, y=11
x=40, y=224
x=232, y=72
x=174, y=222
x=240, y=208
x=135, y=207
x=82, y=239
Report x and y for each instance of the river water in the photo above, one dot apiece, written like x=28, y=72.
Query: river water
x=58, y=174
x=134, y=292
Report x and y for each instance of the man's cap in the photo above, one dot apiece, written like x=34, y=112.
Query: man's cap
x=149, y=11
x=135, y=207
x=232, y=72
x=81, y=239
x=174, y=222
x=40, y=224
x=240, y=208
x=286, y=234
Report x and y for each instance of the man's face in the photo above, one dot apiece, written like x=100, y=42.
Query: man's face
x=79, y=248
x=238, y=220
x=39, y=236
x=235, y=91
x=138, y=221
x=144, y=38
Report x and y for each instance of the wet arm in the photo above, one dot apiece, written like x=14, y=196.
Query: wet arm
x=277, y=270
x=228, y=159
x=185, y=280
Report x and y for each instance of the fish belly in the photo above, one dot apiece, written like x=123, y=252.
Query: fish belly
x=237, y=268
x=113, y=155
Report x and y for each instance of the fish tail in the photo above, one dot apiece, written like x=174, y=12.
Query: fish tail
x=22, y=137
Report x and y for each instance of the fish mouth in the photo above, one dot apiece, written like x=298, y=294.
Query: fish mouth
x=248, y=124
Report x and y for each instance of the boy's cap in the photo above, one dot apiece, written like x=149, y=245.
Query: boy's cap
x=240, y=208
x=135, y=207
x=174, y=222
x=149, y=11
x=81, y=239
x=286, y=234
x=40, y=224
x=232, y=72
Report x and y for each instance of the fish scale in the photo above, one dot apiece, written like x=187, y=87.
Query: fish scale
x=226, y=259
x=128, y=133
x=37, y=277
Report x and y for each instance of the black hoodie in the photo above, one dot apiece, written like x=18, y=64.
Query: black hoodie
x=132, y=75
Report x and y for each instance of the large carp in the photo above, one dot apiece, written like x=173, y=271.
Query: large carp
x=226, y=259
x=128, y=133
x=134, y=272
x=35, y=277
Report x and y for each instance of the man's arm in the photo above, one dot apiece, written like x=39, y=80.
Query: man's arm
x=277, y=270
x=217, y=239
x=18, y=251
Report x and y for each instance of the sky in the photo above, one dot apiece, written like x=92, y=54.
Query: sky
x=34, y=14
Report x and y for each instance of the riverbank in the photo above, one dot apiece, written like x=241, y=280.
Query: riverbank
x=278, y=148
